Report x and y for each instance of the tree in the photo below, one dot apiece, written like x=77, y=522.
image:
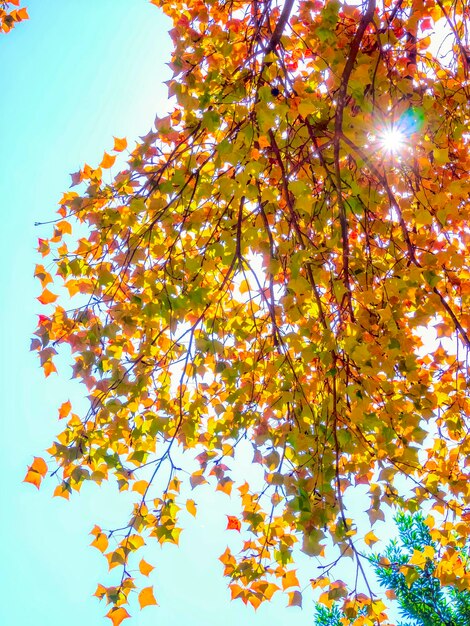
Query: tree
x=411, y=571
x=262, y=269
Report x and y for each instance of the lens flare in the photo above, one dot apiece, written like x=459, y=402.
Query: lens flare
x=392, y=139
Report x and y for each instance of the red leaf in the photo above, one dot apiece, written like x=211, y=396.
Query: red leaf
x=76, y=178
x=233, y=523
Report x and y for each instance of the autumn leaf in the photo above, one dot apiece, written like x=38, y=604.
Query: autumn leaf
x=117, y=615
x=191, y=507
x=62, y=491
x=107, y=161
x=100, y=542
x=33, y=477
x=77, y=178
x=47, y=297
x=36, y=472
x=295, y=598
x=119, y=144
x=233, y=523
x=370, y=538
x=39, y=465
x=146, y=597
x=290, y=579
x=140, y=486
x=145, y=568
x=65, y=409
x=49, y=368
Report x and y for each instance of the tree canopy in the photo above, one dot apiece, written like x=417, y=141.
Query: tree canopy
x=263, y=268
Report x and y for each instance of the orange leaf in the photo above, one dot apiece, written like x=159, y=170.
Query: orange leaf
x=39, y=465
x=146, y=597
x=65, y=409
x=120, y=144
x=254, y=600
x=233, y=523
x=47, y=297
x=48, y=368
x=145, y=568
x=290, y=579
x=62, y=491
x=100, y=542
x=33, y=477
x=107, y=161
x=116, y=615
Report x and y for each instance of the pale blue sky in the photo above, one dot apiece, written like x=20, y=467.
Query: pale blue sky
x=77, y=73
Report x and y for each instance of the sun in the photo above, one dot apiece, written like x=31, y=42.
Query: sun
x=392, y=139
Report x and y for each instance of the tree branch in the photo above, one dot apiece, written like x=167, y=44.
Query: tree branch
x=280, y=26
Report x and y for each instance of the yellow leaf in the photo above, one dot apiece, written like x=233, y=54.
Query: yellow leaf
x=108, y=161
x=418, y=558
x=378, y=607
x=145, y=568
x=429, y=552
x=244, y=286
x=140, y=486
x=117, y=615
x=191, y=507
x=120, y=144
x=146, y=597
x=370, y=538
x=135, y=542
x=441, y=156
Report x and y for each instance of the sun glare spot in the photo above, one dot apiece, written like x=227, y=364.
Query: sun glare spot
x=392, y=139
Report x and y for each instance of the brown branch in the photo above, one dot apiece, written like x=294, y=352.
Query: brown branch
x=342, y=96
x=280, y=26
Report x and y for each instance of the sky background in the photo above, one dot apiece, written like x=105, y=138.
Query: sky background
x=75, y=74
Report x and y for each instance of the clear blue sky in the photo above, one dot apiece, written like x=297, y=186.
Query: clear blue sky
x=77, y=73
